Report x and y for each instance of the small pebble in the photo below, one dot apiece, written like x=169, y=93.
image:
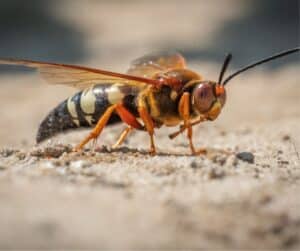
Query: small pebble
x=246, y=156
x=21, y=155
x=283, y=162
x=214, y=173
x=286, y=137
x=195, y=164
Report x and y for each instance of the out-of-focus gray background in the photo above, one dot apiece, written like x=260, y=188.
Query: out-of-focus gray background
x=104, y=31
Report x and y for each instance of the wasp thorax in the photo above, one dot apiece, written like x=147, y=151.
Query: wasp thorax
x=203, y=96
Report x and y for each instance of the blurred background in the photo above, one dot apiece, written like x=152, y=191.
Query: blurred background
x=105, y=31
x=109, y=34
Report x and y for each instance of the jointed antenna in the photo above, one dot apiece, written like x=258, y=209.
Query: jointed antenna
x=278, y=55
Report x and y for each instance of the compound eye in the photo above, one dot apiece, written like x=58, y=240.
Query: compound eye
x=203, y=97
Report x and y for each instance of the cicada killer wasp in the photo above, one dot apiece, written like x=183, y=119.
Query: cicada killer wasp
x=157, y=90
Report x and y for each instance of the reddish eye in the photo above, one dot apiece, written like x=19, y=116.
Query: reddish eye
x=203, y=97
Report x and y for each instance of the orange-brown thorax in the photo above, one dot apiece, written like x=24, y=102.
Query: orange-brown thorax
x=207, y=97
x=162, y=102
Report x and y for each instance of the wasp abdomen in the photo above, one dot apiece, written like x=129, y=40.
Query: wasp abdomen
x=57, y=121
x=81, y=110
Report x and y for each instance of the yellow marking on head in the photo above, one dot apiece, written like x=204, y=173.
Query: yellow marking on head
x=114, y=94
x=215, y=110
x=72, y=110
x=88, y=101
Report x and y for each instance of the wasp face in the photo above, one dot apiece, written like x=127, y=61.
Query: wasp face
x=208, y=98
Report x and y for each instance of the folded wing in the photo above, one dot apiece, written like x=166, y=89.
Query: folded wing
x=78, y=76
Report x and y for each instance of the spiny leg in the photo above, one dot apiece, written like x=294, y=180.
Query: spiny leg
x=184, y=111
x=122, y=137
x=98, y=128
x=149, y=124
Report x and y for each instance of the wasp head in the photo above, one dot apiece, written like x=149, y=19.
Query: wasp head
x=208, y=98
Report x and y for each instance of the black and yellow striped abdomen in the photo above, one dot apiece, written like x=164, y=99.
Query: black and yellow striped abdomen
x=86, y=107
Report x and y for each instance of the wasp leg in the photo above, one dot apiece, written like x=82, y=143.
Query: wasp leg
x=127, y=117
x=183, y=127
x=98, y=128
x=184, y=111
x=122, y=137
x=149, y=124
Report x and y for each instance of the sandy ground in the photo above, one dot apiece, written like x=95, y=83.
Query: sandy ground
x=249, y=198
x=129, y=199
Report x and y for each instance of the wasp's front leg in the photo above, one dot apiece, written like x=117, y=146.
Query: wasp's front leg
x=184, y=111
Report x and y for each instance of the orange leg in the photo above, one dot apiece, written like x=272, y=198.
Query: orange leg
x=184, y=110
x=183, y=127
x=122, y=137
x=98, y=128
x=127, y=117
x=149, y=124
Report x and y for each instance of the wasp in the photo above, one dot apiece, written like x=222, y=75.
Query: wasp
x=157, y=90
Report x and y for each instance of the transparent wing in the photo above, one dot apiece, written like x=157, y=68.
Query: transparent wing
x=151, y=64
x=77, y=76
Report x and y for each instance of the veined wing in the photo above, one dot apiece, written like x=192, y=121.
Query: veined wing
x=78, y=76
x=151, y=64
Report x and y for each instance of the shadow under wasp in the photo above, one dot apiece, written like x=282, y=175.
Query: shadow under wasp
x=157, y=90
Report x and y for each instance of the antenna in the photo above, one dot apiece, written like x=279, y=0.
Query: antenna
x=278, y=55
x=224, y=67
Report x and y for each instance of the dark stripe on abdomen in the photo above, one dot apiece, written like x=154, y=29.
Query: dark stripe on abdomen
x=70, y=115
x=58, y=120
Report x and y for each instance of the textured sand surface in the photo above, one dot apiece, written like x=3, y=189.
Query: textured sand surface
x=246, y=198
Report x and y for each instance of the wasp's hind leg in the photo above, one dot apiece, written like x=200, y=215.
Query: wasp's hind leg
x=98, y=128
x=122, y=137
x=128, y=118
x=184, y=110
